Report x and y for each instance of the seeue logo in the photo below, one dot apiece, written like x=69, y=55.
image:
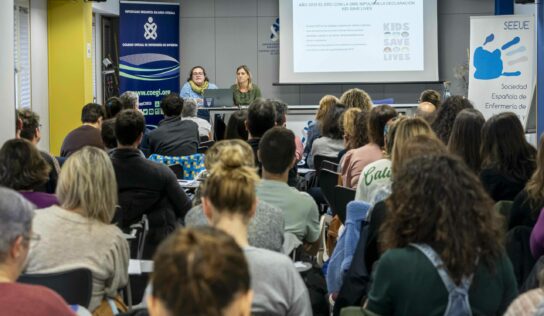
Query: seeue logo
x=150, y=29
x=490, y=65
x=275, y=29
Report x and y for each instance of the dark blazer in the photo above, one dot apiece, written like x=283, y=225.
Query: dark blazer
x=174, y=137
x=146, y=187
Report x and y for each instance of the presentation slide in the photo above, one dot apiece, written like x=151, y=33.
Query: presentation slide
x=358, y=41
x=334, y=36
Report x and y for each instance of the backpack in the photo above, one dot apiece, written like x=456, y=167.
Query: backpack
x=458, y=303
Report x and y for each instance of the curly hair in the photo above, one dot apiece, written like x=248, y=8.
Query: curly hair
x=505, y=148
x=31, y=122
x=356, y=98
x=325, y=104
x=21, y=165
x=437, y=200
x=355, y=126
x=446, y=114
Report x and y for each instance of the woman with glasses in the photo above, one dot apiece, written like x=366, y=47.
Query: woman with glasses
x=194, y=88
x=79, y=233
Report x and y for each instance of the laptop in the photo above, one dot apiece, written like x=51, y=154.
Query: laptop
x=218, y=98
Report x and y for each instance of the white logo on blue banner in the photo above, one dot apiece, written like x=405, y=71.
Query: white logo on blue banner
x=502, y=64
x=150, y=29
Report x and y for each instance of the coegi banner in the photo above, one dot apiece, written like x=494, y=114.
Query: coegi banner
x=149, y=53
x=502, y=64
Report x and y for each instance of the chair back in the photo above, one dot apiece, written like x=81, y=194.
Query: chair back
x=328, y=180
x=177, y=169
x=74, y=286
x=138, y=233
x=343, y=196
x=318, y=165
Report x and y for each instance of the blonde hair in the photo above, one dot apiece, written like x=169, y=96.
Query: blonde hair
x=404, y=130
x=356, y=98
x=87, y=181
x=214, y=153
x=249, y=79
x=230, y=186
x=324, y=105
x=349, y=120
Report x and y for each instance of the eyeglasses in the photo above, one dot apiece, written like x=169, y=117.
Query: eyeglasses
x=198, y=74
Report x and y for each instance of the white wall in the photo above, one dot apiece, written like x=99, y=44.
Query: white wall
x=38, y=67
x=7, y=93
x=110, y=7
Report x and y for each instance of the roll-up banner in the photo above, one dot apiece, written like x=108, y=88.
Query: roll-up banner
x=502, y=64
x=149, y=53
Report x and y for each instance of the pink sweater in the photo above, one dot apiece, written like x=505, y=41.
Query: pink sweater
x=355, y=160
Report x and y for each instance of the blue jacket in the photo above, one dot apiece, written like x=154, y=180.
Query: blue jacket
x=188, y=93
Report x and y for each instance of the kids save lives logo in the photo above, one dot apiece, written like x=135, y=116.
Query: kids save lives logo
x=396, y=42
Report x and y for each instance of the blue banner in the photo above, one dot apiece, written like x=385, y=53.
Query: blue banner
x=149, y=53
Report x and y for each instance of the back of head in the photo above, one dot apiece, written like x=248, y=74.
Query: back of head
x=15, y=220
x=281, y=112
x=332, y=121
x=22, y=166
x=107, y=132
x=31, y=122
x=446, y=114
x=431, y=96
x=505, y=148
x=171, y=105
x=214, y=153
x=465, y=138
x=91, y=113
x=535, y=185
x=324, y=104
x=199, y=272
x=189, y=108
x=230, y=185
x=356, y=98
x=439, y=201
x=129, y=100
x=426, y=111
x=379, y=115
x=404, y=132
x=261, y=116
x=355, y=127
x=129, y=125
x=277, y=150
x=87, y=181
x=236, y=127
x=112, y=107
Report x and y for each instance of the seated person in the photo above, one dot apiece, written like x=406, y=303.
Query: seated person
x=30, y=131
x=189, y=113
x=314, y=126
x=229, y=202
x=88, y=134
x=277, y=155
x=173, y=137
x=79, y=233
x=22, y=168
x=108, y=135
x=236, y=126
x=200, y=272
x=331, y=141
x=261, y=116
x=266, y=228
x=16, y=227
x=144, y=187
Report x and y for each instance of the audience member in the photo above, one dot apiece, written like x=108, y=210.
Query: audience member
x=355, y=128
x=236, y=126
x=281, y=120
x=30, y=130
x=537, y=237
x=508, y=160
x=145, y=187
x=261, y=116
x=430, y=96
x=88, y=134
x=266, y=228
x=356, y=98
x=200, y=272
x=528, y=303
x=16, y=227
x=446, y=114
x=189, y=113
x=420, y=228
x=79, y=233
x=108, y=135
x=174, y=137
x=277, y=155
x=356, y=159
x=528, y=203
x=229, y=202
x=22, y=168
x=129, y=100
x=314, y=127
x=466, y=137
x=113, y=106
x=426, y=110
x=331, y=141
